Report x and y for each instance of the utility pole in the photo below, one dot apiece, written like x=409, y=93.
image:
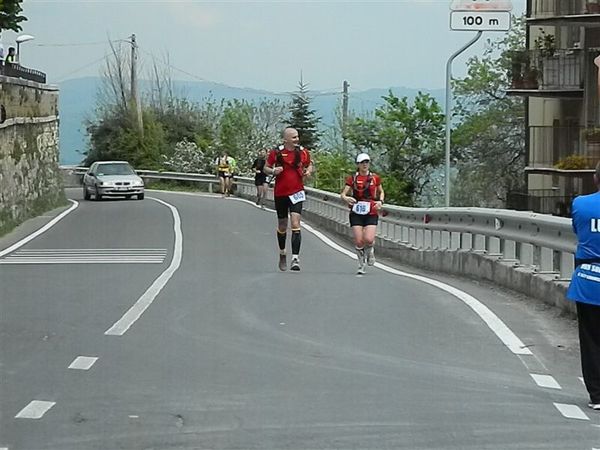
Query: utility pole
x=135, y=96
x=345, y=117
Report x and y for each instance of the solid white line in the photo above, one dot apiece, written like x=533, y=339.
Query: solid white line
x=45, y=228
x=135, y=312
x=545, y=381
x=499, y=328
x=83, y=363
x=571, y=411
x=35, y=410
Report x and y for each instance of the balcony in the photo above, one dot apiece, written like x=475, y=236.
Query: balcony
x=543, y=201
x=565, y=151
x=18, y=71
x=564, y=12
x=541, y=73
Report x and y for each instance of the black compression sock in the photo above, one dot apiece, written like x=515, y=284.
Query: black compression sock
x=281, y=238
x=296, y=241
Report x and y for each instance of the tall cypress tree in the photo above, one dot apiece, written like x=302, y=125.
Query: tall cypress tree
x=304, y=119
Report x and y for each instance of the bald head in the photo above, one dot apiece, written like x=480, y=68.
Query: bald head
x=290, y=137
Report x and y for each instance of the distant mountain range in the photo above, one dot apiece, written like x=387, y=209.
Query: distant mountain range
x=77, y=101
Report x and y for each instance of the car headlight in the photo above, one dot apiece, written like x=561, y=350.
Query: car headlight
x=138, y=183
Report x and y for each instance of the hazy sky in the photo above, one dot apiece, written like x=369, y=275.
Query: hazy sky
x=262, y=45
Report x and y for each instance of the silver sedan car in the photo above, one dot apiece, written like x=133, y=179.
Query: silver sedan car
x=112, y=179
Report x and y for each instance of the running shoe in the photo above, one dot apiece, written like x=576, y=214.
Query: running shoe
x=594, y=406
x=371, y=256
x=295, y=266
x=282, y=262
x=361, y=269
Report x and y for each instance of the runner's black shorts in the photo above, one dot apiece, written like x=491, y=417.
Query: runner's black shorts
x=225, y=174
x=284, y=206
x=260, y=179
x=358, y=220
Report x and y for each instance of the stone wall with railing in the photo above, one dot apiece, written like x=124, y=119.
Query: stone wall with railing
x=30, y=181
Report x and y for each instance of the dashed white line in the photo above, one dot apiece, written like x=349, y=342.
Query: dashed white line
x=83, y=363
x=35, y=410
x=545, y=381
x=571, y=411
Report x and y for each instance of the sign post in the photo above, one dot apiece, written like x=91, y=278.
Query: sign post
x=471, y=15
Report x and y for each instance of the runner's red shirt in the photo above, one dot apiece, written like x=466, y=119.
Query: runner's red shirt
x=358, y=183
x=289, y=181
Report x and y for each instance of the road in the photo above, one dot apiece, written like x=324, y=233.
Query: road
x=220, y=350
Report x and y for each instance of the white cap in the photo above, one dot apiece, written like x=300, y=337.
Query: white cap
x=362, y=157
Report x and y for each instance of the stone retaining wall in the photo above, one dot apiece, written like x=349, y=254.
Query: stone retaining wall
x=30, y=181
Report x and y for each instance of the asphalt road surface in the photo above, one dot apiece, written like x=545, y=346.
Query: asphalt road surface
x=151, y=325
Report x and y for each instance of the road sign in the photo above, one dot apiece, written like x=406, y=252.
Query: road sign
x=481, y=5
x=480, y=21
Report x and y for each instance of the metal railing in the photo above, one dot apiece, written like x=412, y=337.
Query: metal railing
x=18, y=71
x=560, y=69
x=541, y=243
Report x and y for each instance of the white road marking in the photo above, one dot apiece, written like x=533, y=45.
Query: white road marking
x=135, y=312
x=86, y=256
x=35, y=410
x=571, y=411
x=499, y=328
x=83, y=363
x=45, y=228
x=545, y=381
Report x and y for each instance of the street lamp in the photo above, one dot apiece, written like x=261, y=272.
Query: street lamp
x=19, y=40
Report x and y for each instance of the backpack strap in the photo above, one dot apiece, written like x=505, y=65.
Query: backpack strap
x=365, y=191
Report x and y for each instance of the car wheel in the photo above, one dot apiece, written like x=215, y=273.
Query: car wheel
x=98, y=196
x=140, y=196
x=86, y=193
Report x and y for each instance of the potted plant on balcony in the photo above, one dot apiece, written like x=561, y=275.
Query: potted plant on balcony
x=545, y=44
x=519, y=60
x=531, y=76
x=573, y=162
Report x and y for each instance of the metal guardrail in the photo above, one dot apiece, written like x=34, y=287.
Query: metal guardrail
x=537, y=242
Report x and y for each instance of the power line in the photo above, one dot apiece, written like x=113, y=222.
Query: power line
x=61, y=79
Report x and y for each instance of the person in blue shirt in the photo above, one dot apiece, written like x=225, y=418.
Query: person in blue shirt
x=585, y=287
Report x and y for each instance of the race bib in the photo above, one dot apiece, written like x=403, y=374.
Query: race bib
x=362, y=208
x=299, y=196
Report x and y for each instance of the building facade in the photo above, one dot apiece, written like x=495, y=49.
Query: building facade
x=559, y=76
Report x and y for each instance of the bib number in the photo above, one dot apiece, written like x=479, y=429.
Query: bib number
x=362, y=208
x=299, y=196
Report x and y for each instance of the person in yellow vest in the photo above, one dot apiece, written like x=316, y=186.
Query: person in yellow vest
x=225, y=168
x=11, y=58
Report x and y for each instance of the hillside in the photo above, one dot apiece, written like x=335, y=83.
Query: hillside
x=78, y=99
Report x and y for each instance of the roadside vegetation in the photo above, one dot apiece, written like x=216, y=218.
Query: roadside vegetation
x=404, y=138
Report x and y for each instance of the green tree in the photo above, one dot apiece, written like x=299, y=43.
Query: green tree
x=489, y=142
x=303, y=118
x=10, y=17
x=331, y=170
x=406, y=142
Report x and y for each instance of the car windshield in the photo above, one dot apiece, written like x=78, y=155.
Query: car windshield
x=115, y=169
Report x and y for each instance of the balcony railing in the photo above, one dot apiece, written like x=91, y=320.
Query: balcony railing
x=543, y=70
x=561, y=8
x=18, y=71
